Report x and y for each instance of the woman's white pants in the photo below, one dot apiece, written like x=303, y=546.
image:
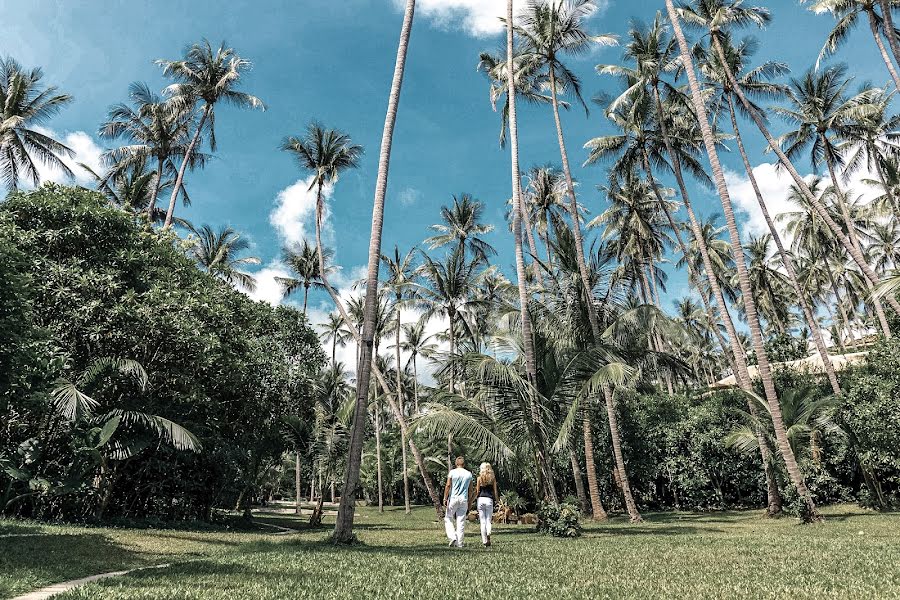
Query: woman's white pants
x=485, y=512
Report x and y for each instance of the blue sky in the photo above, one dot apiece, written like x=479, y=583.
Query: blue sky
x=332, y=61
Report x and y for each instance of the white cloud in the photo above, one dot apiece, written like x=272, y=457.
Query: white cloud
x=409, y=196
x=86, y=151
x=267, y=288
x=294, y=217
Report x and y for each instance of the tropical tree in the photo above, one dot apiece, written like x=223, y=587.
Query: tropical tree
x=333, y=332
x=714, y=15
x=462, y=226
x=217, y=253
x=417, y=342
x=303, y=261
x=207, y=77
x=25, y=104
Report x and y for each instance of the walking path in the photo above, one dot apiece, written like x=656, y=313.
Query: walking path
x=59, y=588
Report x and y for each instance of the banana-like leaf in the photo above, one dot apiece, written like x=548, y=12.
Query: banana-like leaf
x=109, y=429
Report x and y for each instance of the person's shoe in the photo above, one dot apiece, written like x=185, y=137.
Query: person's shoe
x=452, y=543
x=488, y=543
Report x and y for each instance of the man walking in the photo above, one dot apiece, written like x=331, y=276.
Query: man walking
x=456, y=499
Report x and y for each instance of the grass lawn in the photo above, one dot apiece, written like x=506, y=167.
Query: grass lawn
x=716, y=555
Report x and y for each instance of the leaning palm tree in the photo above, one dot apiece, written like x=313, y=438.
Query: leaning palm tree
x=207, y=77
x=343, y=530
x=216, y=252
x=756, y=83
x=847, y=13
x=716, y=18
x=24, y=105
x=155, y=132
x=820, y=109
x=303, y=261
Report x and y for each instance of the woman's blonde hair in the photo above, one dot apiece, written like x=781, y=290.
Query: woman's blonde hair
x=486, y=474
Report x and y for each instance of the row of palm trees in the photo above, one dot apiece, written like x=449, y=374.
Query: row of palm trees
x=681, y=104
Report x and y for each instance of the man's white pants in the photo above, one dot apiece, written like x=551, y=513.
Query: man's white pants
x=485, y=513
x=455, y=519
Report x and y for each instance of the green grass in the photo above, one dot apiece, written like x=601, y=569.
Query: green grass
x=715, y=555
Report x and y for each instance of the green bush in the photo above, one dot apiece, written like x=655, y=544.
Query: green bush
x=559, y=520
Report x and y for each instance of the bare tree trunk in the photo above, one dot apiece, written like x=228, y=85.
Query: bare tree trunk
x=749, y=304
x=297, y=491
x=598, y=513
x=402, y=405
x=630, y=505
x=583, y=503
x=785, y=257
x=151, y=206
x=343, y=529
x=378, y=454
x=179, y=180
x=545, y=473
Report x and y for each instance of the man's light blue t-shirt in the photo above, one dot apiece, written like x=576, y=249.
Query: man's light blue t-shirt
x=460, y=480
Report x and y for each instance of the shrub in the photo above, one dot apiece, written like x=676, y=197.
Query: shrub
x=559, y=520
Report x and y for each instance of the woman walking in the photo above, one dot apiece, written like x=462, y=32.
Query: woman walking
x=486, y=492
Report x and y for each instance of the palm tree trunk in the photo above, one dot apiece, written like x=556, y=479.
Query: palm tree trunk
x=583, y=503
x=851, y=231
x=889, y=31
x=840, y=304
x=589, y=301
x=549, y=252
x=415, y=384
x=402, y=406
x=343, y=529
x=741, y=373
x=378, y=456
x=765, y=372
x=297, y=492
x=873, y=151
x=179, y=180
x=630, y=505
x=532, y=246
x=816, y=204
x=305, y=297
x=598, y=513
x=785, y=257
x=544, y=472
x=873, y=26
x=151, y=207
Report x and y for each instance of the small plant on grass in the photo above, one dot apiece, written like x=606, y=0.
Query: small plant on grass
x=559, y=520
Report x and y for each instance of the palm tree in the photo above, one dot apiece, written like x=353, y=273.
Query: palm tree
x=755, y=83
x=216, y=252
x=884, y=247
x=25, y=104
x=847, y=13
x=206, y=76
x=154, y=131
x=130, y=185
x=400, y=275
x=770, y=286
x=520, y=222
x=303, y=261
x=343, y=530
x=416, y=343
x=713, y=16
x=333, y=331
x=545, y=195
x=462, y=225
x=820, y=109
x=736, y=14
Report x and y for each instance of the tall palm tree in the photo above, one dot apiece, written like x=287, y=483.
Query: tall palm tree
x=216, y=252
x=770, y=286
x=333, y=332
x=303, y=261
x=25, y=104
x=736, y=14
x=155, y=132
x=343, y=530
x=518, y=224
x=756, y=83
x=545, y=195
x=400, y=275
x=884, y=247
x=847, y=13
x=714, y=16
x=462, y=225
x=204, y=76
x=820, y=109
x=416, y=342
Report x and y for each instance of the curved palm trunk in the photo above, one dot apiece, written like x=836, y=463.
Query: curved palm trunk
x=532, y=246
x=544, y=472
x=785, y=257
x=736, y=356
x=343, y=531
x=854, y=252
x=851, y=230
x=378, y=449
x=598, y=513
x=583, y=502
x=589, y=301
x=873, y=26
x=765, y=372
x=415, y=384
x=401, y=404
x=179, y=180
x=889, y=28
